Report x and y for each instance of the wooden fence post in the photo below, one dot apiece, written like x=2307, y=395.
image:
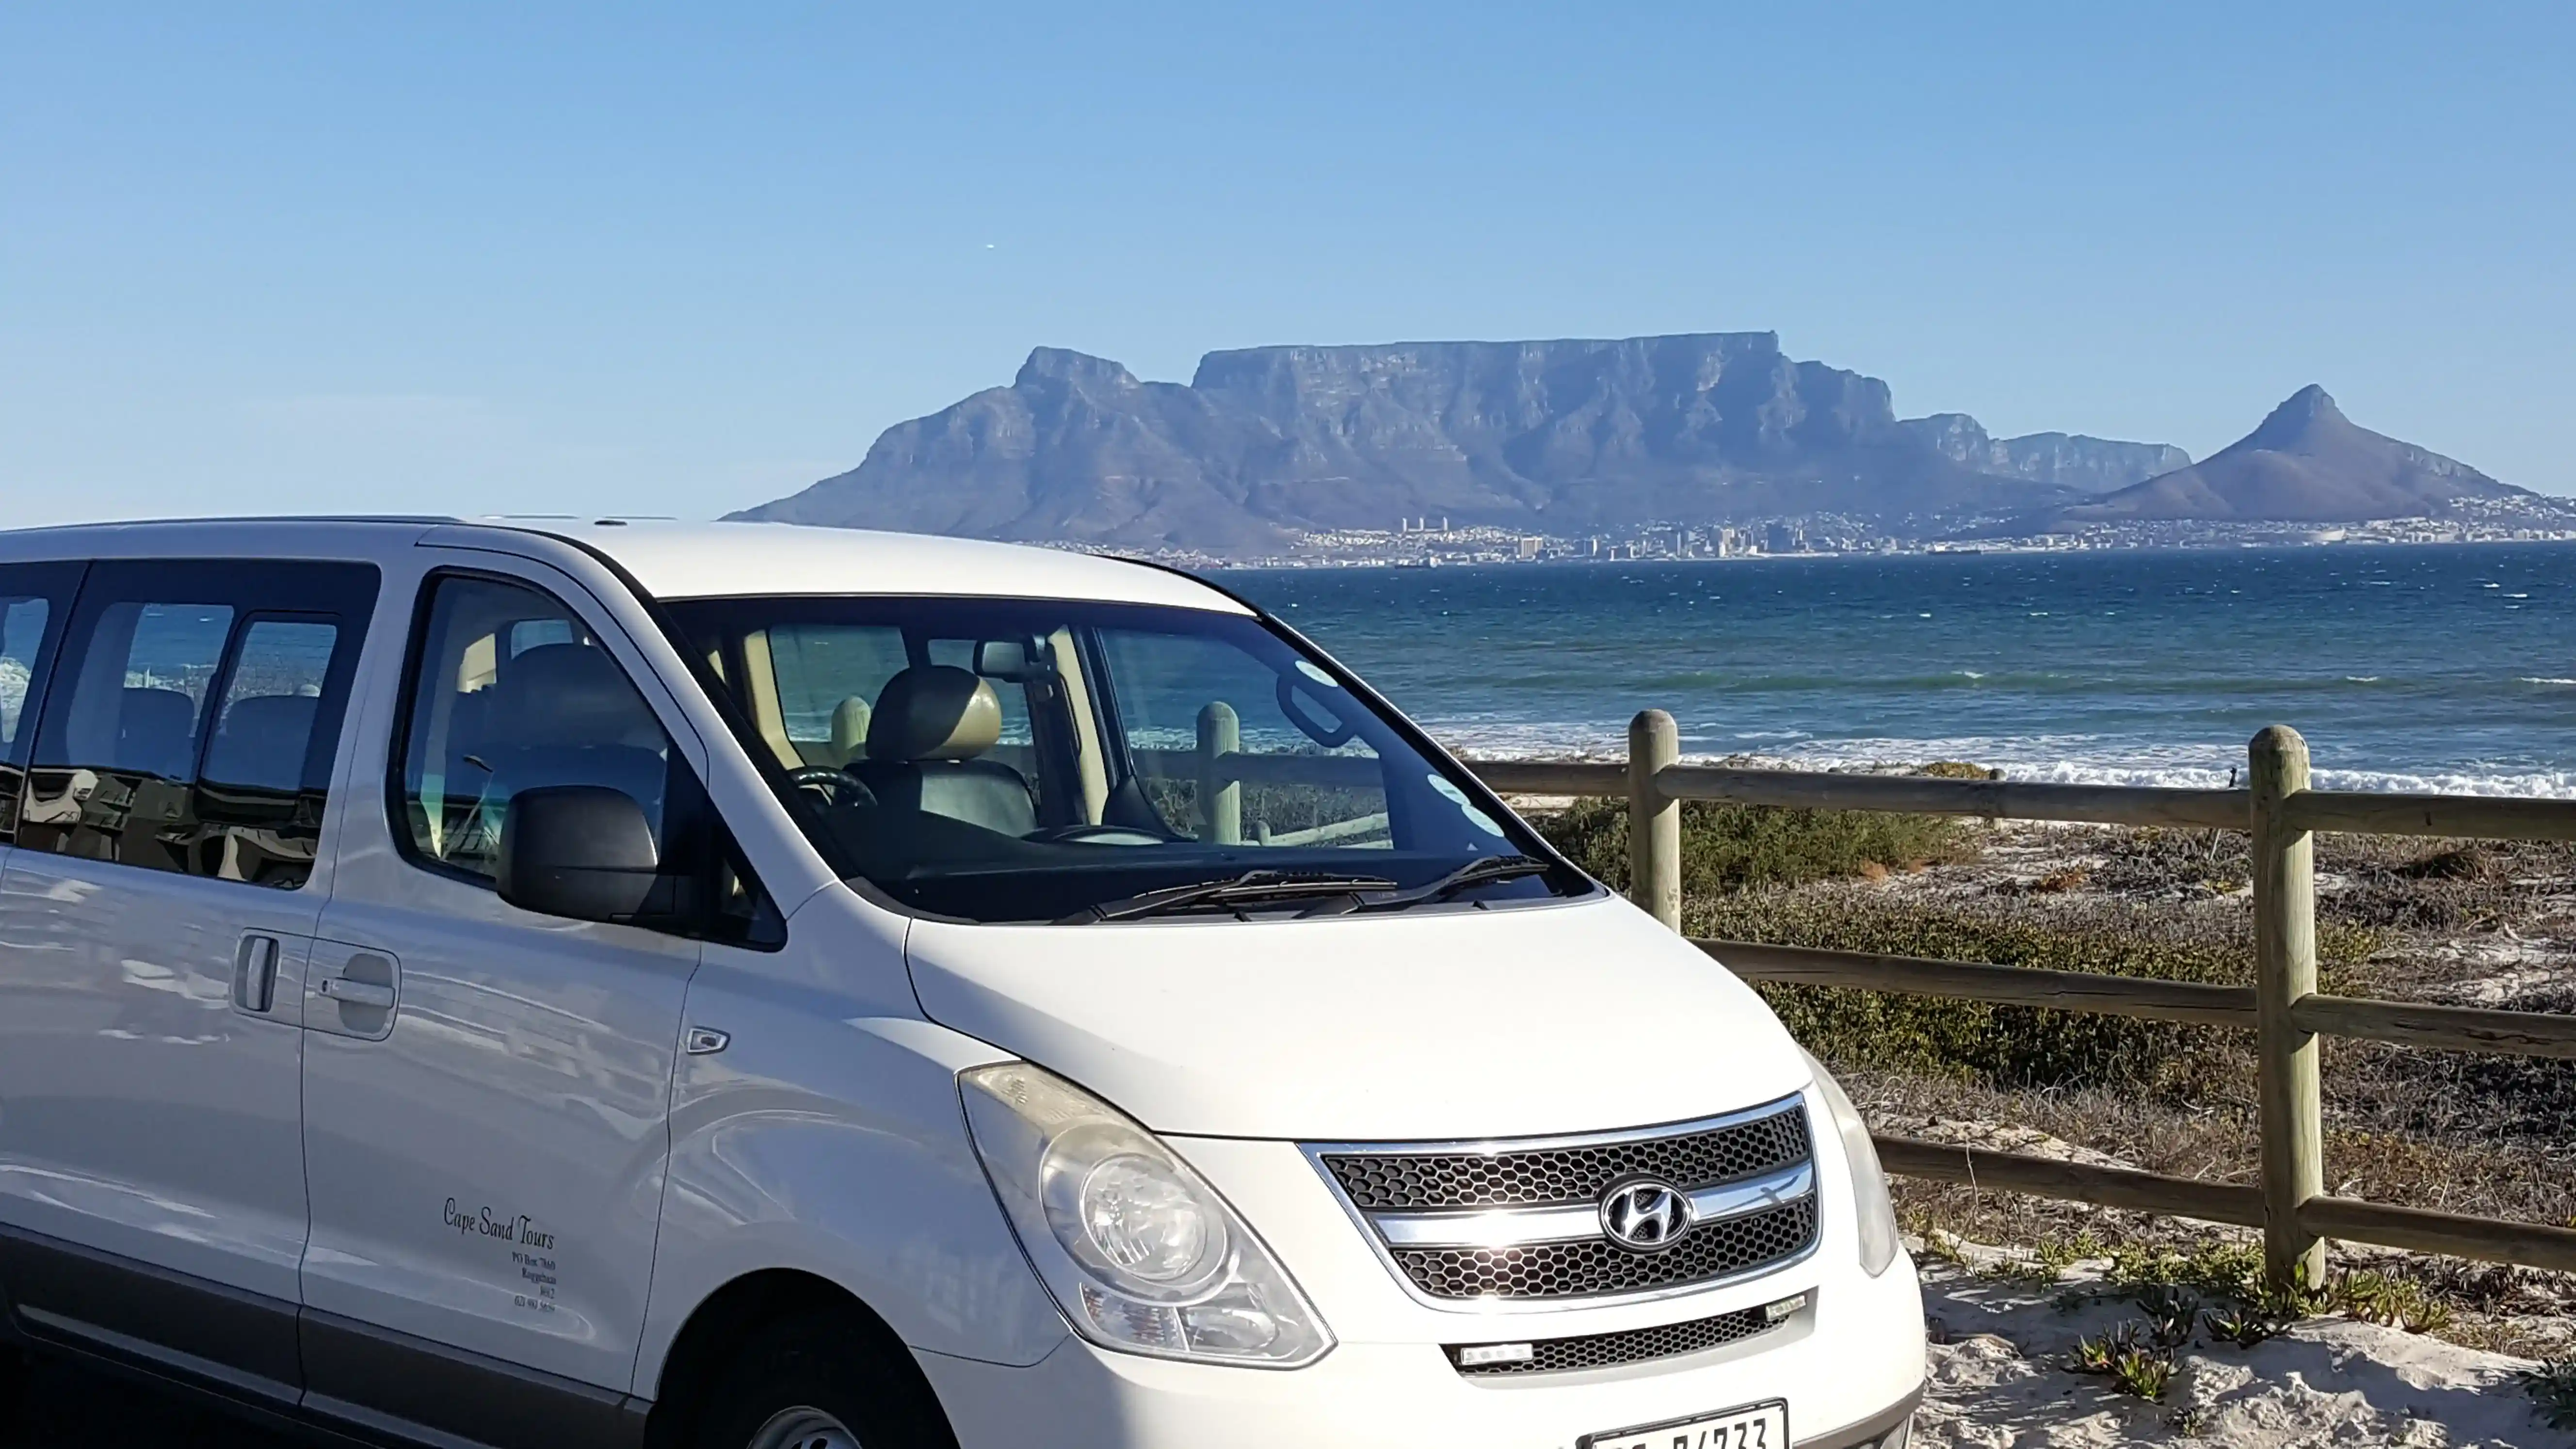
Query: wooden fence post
x=2285, y=969
x=1654, y=819
x=1220, y=794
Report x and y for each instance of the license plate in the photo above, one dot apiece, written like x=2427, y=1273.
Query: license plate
x=1758, y=1426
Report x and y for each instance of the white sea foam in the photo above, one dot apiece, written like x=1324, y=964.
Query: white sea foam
x=2066, y=759
x=2534, y=679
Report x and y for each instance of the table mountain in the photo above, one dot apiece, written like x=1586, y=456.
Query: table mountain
x=2307, y=463
x=1560, y=437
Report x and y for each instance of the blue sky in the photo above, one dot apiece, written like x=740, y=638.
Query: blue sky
x=678, y=260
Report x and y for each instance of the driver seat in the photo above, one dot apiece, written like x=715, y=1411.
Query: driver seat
x=930, y=724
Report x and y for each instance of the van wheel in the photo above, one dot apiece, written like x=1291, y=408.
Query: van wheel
x=816, y=1382
x=804, y=1429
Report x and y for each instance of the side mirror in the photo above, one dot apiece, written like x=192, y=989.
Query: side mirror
x=583, y=852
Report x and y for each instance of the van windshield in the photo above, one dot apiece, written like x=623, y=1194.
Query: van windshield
x=1033, y=760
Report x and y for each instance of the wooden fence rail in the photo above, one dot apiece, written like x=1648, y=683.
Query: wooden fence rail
x=2283, y=1007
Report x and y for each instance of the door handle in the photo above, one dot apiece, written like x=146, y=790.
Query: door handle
x=356, y=993
x=363, y=984
x=255, y=974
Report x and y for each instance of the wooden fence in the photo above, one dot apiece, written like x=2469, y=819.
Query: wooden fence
x=2283, y=1007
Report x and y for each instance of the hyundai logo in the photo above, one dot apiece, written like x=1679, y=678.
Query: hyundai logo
x=1644, y=1215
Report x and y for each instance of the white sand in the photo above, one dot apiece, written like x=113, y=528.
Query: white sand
x=2001, y=1380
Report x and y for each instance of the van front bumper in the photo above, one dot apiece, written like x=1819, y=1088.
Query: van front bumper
x=1850, y=1368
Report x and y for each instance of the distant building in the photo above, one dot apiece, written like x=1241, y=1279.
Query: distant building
x=1781, y=538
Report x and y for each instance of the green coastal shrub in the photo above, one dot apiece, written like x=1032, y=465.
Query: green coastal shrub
x=1732, y=847
x=2005, y=1046
x=1754, y=873
x=2012, y=1046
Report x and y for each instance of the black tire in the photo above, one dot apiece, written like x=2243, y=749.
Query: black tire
x=824, y=1361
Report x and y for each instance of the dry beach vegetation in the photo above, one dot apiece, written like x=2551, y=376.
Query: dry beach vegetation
x=2462, y=922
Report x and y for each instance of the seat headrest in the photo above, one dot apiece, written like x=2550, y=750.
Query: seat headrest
x=265, y=713
x=145, y=711
x=850, y=729
x=934, y=712
x=263, y=741
x=156, y=731
x=571, y=694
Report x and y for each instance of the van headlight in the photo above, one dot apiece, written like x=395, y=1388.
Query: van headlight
x=1139, y=1251
x=1869, y=1182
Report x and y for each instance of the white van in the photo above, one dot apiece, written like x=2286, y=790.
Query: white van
x=752, y=987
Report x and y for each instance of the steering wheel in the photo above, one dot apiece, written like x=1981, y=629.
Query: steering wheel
x=1100, y=835
x=833, y=783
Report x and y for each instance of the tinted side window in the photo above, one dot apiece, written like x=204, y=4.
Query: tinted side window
x=23, y=621
x=263, y=724
x=510, y=692
x=35, y=600
x=198, y=715
x=143, y=680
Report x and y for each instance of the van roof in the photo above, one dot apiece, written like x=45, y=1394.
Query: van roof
x=707, y=560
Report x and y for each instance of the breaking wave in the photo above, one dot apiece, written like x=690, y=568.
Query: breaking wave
x=2050, y=759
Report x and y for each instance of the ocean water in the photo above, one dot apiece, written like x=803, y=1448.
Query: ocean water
x=2449, y=668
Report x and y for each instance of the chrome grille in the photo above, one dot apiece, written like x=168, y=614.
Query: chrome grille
x=1435, y=1180
x=1581, y=1269
x=1499, y=1224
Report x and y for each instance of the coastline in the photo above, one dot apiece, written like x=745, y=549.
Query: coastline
x=1493, y=552
x=1900, y=757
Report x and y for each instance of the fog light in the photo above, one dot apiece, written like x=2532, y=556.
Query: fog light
x=1774, y=1312
x=1481, y=1355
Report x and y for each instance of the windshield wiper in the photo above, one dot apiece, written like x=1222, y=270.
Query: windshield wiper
x=1484, y=870
x=1251, y=887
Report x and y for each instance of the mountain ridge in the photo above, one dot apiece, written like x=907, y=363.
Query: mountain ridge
x=1562, y=436
x=2304, y=463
